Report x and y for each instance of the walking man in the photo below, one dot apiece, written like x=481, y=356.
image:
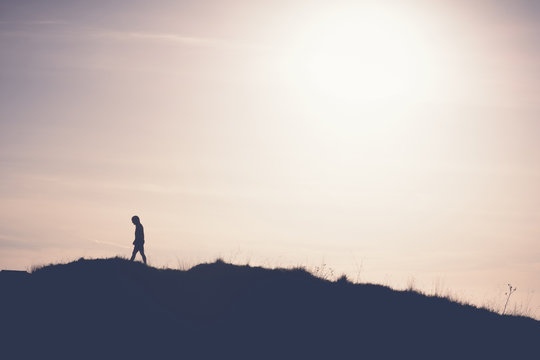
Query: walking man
x=139, y=239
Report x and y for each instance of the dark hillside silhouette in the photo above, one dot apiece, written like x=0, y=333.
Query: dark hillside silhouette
x=113, y=308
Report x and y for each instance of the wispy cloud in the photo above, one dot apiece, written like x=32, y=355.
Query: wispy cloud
x=174, y=38
x=33, y=22
x=57, y=29
x=7, y=242
x=163, y=37
x=110, y=244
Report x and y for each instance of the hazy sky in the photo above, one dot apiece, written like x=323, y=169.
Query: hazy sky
x=391, y=139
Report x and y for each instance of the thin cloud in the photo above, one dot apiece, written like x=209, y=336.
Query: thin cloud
x=165, y=37
x=34, y=22
x=172, y=38
x=55, y=29
x=110, y=244
x=10, y=243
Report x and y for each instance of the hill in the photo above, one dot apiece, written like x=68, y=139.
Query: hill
x=111, y=308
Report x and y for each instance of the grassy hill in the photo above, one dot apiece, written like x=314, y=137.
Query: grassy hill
x=111, y=308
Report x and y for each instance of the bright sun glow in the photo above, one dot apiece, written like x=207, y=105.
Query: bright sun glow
x=367, y=54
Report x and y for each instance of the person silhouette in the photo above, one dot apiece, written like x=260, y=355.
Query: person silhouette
x=139, y=239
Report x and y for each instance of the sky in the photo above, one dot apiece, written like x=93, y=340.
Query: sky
x=395, y=142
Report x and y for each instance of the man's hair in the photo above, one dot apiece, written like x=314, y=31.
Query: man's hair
x=135, y=219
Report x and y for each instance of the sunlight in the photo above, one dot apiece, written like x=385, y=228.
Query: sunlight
x=366, y=54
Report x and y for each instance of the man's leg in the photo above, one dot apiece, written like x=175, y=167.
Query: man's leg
x=141, y=250
x=134, y=253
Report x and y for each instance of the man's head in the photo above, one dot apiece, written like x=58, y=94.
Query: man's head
x=135, y=220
